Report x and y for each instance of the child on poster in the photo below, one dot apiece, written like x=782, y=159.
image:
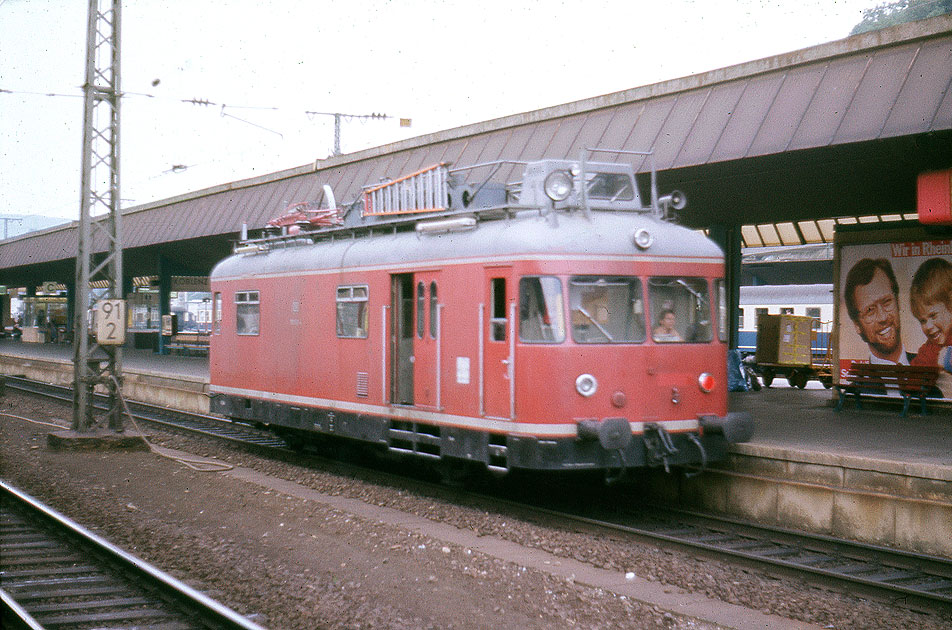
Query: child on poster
x=930, y=297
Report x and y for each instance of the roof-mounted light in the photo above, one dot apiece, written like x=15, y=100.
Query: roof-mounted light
x=558, y=185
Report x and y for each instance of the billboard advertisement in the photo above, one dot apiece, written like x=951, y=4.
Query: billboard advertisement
x=895, y=304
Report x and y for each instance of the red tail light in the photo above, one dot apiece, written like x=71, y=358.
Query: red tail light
x=706, y=382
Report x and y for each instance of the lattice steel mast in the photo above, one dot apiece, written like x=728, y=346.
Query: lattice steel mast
x=99, y=221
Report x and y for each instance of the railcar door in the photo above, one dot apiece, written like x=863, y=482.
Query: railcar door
x=426, y=366
x=402, y=331
x=498, y=344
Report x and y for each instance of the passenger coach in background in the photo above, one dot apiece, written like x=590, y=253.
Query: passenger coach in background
x=471, y=321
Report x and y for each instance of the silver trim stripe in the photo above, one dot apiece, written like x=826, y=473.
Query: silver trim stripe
x=429, y=264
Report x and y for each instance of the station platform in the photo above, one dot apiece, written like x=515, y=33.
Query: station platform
x=864, y=473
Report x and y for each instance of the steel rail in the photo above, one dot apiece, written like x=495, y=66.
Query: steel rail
x=901, y=577
x=211, y=426
x=61, y=574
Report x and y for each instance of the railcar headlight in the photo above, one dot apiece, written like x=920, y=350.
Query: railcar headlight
x=558, y=185
x=643, y=238
x=706, y=382
x=586, y=385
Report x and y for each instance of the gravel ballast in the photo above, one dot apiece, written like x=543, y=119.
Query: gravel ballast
x=292, y=559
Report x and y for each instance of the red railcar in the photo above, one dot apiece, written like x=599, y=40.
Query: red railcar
x=555, y=324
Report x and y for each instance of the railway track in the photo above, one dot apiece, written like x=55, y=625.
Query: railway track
x=211, y=426
x=56, y=574
x=907, y=579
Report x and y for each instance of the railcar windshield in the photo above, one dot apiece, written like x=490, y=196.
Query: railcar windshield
x=680, y=310
x=611, y=186
x=541, y=314
x=607, y=309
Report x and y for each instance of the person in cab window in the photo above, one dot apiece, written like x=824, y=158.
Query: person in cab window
x=666, y=331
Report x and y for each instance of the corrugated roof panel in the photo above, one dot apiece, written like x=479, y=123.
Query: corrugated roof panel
x=920, y=100
x=330, y=176
x=347, y=186
x=304, y=189
x=475, y=145
x=644, y=134
x=382, y=169
x=269, y=203
x=830, y=101
x=417, y=159
x=622, y=124
x=493, y=146
x=943, y=117
x=564, y=143
x=876, y=94
x=400, y=164
x=787, y=110
x=710, y=124
x=748, y=115
x=226, y=213
x=540, y=140
x=454, y=150
x=678, y=126
x=235, y=211
x=511, y=150
x=205, y=219
x=593, y=131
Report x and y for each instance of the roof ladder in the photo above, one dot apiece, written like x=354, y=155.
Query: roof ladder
x=422, y=191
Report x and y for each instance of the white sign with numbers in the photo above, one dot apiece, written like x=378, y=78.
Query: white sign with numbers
x=111, y=322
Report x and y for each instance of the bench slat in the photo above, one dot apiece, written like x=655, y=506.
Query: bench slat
x=908, y=380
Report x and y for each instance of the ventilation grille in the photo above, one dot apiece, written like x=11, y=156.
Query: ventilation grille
x=363, y=385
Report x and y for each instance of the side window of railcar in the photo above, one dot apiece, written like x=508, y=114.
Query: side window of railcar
x=420, y=309
x=433, y=311
x=541, y=314
x=498, y=319
x=607, y=309
x=352, y=311
x=216, y=314
x=247, y=308
x=722, y=332
x=680, y=310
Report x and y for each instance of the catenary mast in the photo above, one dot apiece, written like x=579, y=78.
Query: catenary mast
x=99, y=362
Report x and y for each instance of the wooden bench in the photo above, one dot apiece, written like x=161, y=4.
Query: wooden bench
x=189, y=343
x=911, y=381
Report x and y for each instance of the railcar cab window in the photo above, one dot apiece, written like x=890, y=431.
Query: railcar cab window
x=680, y=310
x=352, y=311
x=607, y=309
x=248, y=313
x=611, y=186
x=541, y=313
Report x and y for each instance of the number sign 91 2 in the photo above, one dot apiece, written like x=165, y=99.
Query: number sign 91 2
x=111, y=322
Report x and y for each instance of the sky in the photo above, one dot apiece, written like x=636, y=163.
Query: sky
x=442, y=64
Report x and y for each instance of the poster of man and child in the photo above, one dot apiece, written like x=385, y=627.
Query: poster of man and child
x=895, y=305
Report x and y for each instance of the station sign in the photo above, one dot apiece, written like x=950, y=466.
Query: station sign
x=111, y=322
